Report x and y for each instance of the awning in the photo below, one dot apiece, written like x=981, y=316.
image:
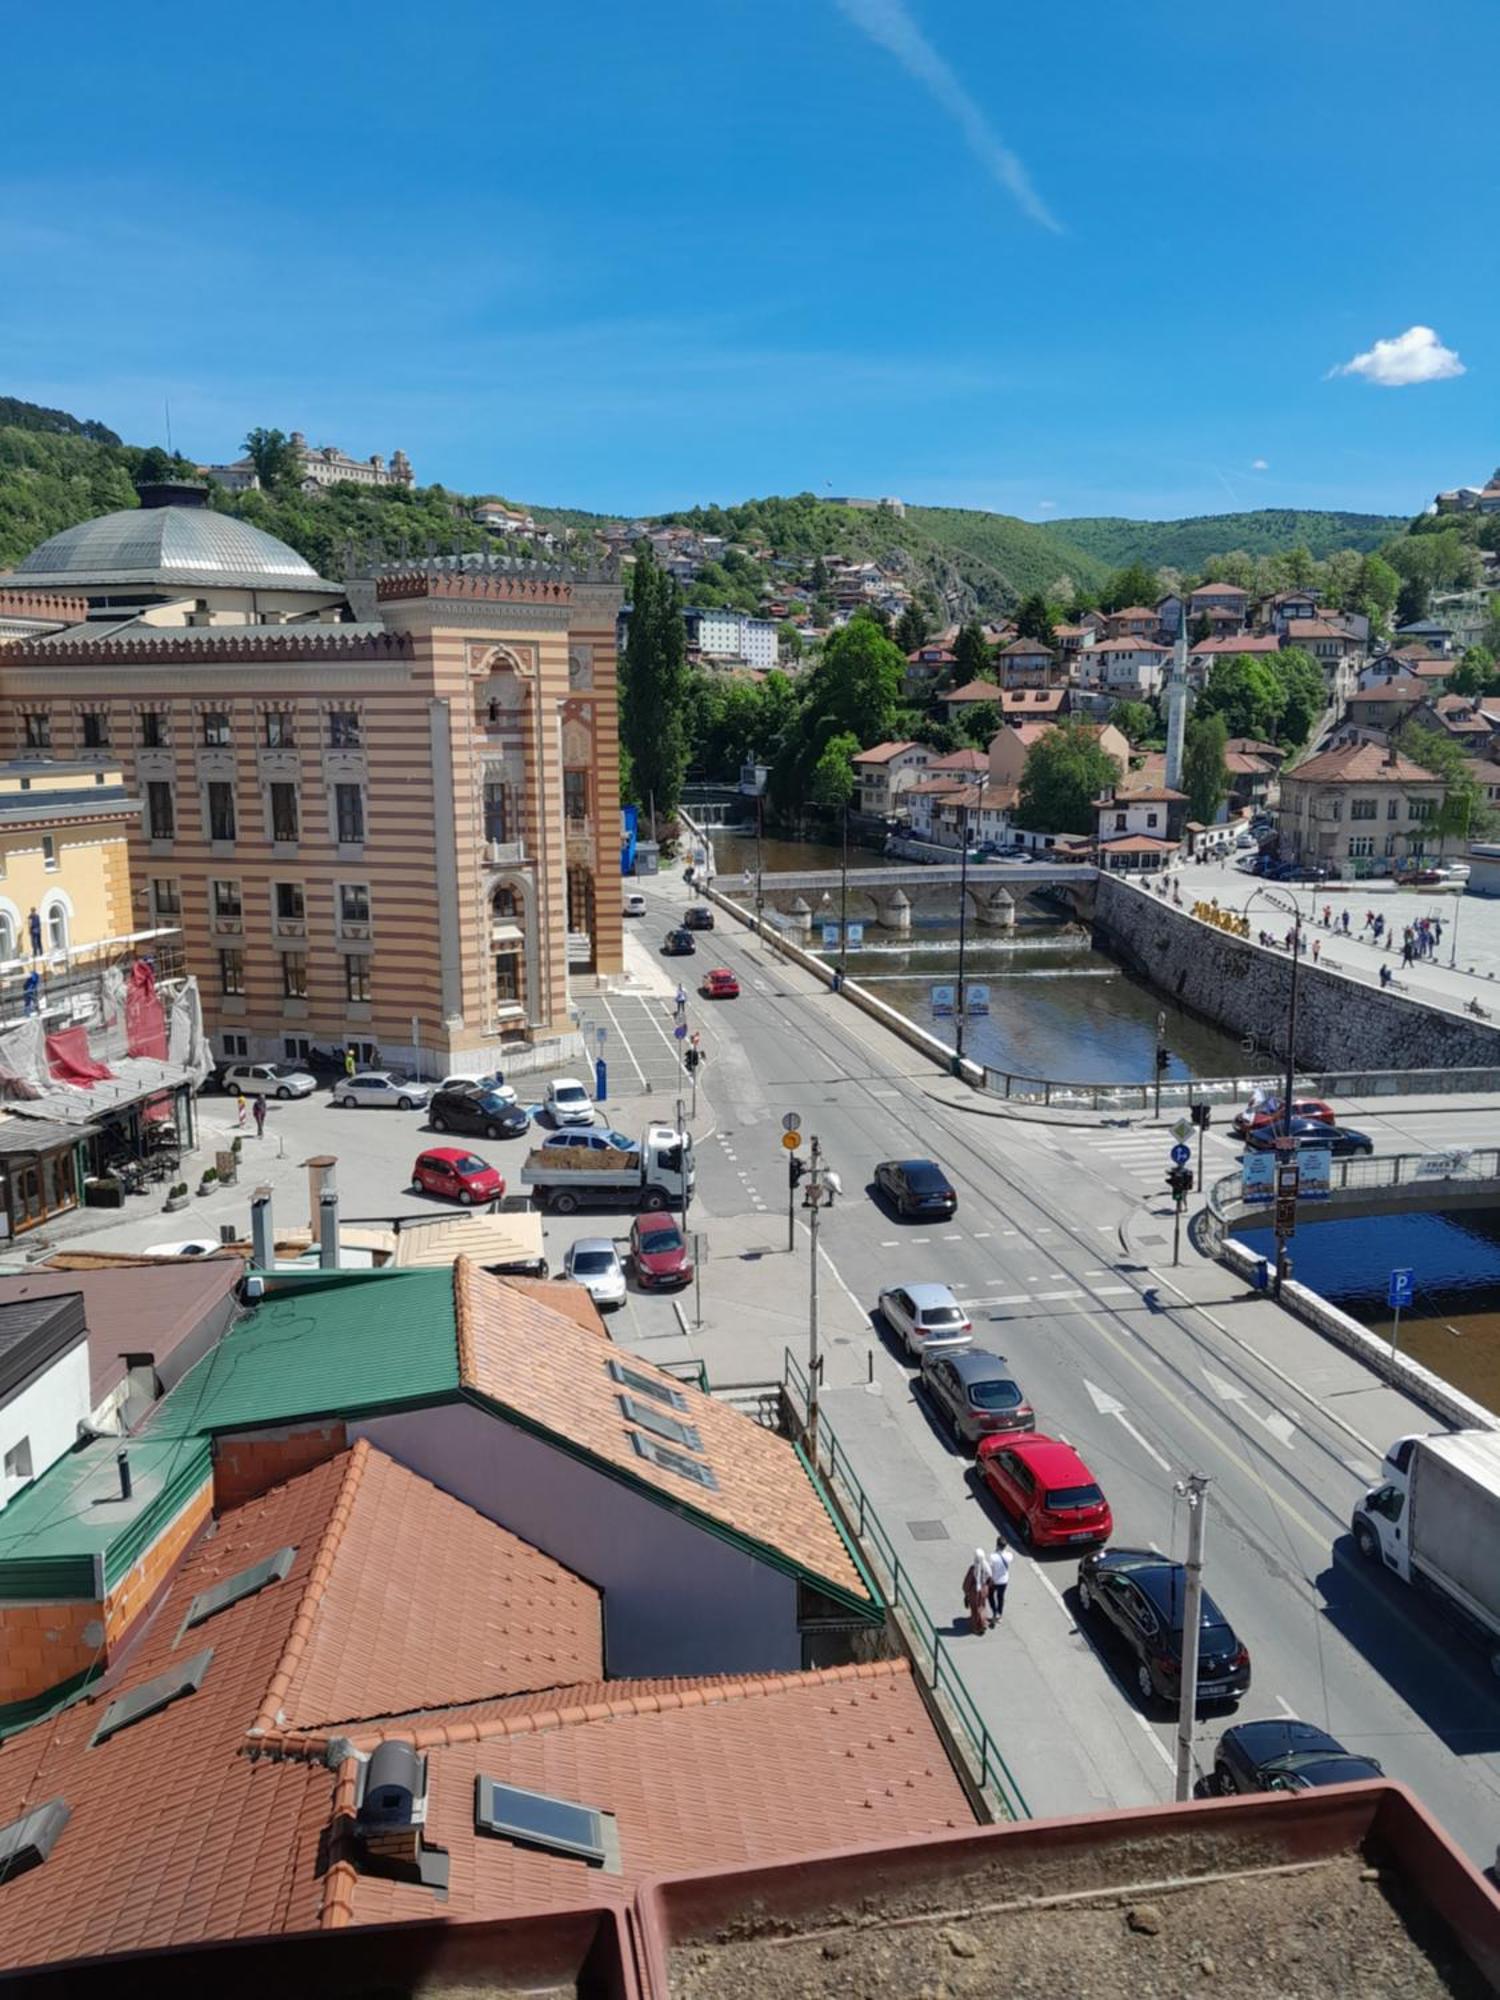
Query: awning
x=507, y=934
x=21, y=1137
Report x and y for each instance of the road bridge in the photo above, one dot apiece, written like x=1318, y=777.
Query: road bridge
x=993, y=888
x=1393, y=1184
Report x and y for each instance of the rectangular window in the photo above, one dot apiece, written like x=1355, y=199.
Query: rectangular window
x=235, y=1045
x=294, y=975
x=356, y=976
x=37, y=730
x=1364, y=808
x=1423, y=811
x=1392, y=842
x=290, y=905
x=153, y=730
x=280, y=733
x=507, y=977
x=49, y=853
x=575, y=794
x=284, y=813
x=95, y=729
x=18, y=1460
x=226, y=899
x=161, y=819
x=343, y=729
x=354, y=903
x=499, y=812
x=1361, y=845
x=166, y=899
x=349, y=808
x=231, y=971
x=1393, y=808
x=220, y=810
x=296, y=1048
x=215, y=729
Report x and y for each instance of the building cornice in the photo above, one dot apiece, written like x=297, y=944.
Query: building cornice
x=258, y=645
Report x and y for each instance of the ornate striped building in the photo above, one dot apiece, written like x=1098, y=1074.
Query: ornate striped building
x=386, y=817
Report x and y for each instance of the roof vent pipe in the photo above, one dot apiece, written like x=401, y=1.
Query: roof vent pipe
x=262, y=1242
x=328, y=1230
x=122, y=1460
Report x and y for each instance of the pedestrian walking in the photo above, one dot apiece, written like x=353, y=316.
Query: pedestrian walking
x=1385, y=975
x=1317, y=947
x=1327, y=916
x=1346, y=923
x=349, y=1060
x=1406, y=952
x=240, y=1107
x=260, y=1118
x=999, y=1578
x=977, y=1592
x=34, y=926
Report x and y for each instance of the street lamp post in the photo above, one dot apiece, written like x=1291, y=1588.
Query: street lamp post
x=759, y=816
x=1193, y=1490
x=963, y=930
x=1293, y=909
x=844, y=899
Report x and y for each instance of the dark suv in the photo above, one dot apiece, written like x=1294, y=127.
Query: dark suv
x=698, y=918
x=1139, y=1595
x=477, y=1111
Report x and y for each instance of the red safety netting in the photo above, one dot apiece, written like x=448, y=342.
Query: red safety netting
x=69, y=1060
x=145, y=1018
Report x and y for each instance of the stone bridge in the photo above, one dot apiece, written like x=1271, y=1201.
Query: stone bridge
x=885, y=896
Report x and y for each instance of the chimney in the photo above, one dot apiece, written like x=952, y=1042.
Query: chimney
x=320, y=1179
x=122, y=1460
x=263, y=1242
x=328, y=1230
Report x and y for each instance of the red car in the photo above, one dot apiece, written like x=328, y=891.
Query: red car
x=1306, y=1107
x=720, y=984
x=1046, y=1489
x=456, y=1175
x=658, y=1254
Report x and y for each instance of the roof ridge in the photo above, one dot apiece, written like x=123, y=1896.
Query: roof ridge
x=463, y=1324
x=313, y=1589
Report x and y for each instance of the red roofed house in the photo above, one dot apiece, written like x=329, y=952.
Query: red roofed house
x=1026, y=663
x=883, y=773
x=1362, y=809
x=1125, y=667
x=1013, y=740
x=1225, y=606
x=957, y=701
x=1328, y=643
x=1135, y=621
x=1035, y=704
x=1385, y=704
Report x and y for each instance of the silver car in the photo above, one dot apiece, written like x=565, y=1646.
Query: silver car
x=926, y=1317
x=594, y=1263
x=268, y=1079
x=975, y=1393
x=382, y=1089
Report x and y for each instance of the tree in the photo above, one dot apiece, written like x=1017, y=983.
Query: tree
x=1304, y=694
x=1065, y=772
x=819, y=578
x=654, y=686
x=1246, y=692
x=1136, y=721
x=155, y=466
x=789, y=641
x=971, y=656
x=274, y=457
x=911, y=629
x=1375, y=593
x=855, y=686
x=980, y=722
x=873, y=615
x=1237, y=568
x=1134, y=585
x=1465, y=813
x=1475, y=672
x=1412, y=600
x=1034, y=620
x=1205, y=775
x=832, y=781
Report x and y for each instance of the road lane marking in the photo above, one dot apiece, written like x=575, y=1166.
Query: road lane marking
x=1035, y=1569
x=1111, y=1406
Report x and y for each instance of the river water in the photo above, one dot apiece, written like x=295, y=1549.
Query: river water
x=1058, y=1007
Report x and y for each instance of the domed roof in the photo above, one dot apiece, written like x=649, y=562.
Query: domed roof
x=174, y=548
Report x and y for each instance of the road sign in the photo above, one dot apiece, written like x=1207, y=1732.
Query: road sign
x=1181, y=1129
x=1257, y=1177
x=1286, y=1215
x=976, y=1000
x=601, y=1036
x=791, y=1121
x=942, y=1002
x=1180, y=1156
x=856, y=935
x=830, y=936
x=1316, y=1182
x=791, y=1140
x=680, y=1030
x=1401, y=1290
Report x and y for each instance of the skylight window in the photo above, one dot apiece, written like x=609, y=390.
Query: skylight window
x=673, y=1461
x=244, y=1583
x=535, y=1819
x=662, y=1426
x=647, y=1385
x=27, y=1841
x=152, y=1695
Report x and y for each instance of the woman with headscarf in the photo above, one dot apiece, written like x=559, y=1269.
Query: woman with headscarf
x=977, y=1592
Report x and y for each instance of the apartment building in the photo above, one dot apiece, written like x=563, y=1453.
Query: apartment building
x=1362, y=809
x=397, y=830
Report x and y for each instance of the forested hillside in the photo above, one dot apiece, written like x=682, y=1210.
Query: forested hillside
x=1187, y=545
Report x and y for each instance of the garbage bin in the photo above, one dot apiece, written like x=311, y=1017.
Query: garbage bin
x=1260, y=1277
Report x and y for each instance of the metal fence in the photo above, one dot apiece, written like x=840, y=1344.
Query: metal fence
x=1441, y=1168
x=1179, y=1093
x=930, y=1650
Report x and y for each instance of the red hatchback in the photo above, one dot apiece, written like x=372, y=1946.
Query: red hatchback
x=458, y=1176
x=1248, y=1121
x=720, y=984
x=658, y=1254
x=1046, y=1490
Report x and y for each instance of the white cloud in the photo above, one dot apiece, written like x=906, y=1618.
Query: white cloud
x=1046, y=506
x=1414, y=356
x=892, y=28
x=1260, y=465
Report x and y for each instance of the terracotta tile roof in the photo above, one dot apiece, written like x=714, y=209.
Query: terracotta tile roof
x=1216, y=590
x=1133, y=611
x=481, y=1613
x=1360, y=764
x=1316, y=628
x=1393, y=690
x=1129, y=645
x=1029, y=732
x=1139, y=843
x=562, y=1295
x=1254, y=746
x=763, y=1493
x=1032, y=701
x=1239, y=763
x=932, y=787
x=1026, y=649
x=709, y=1775
x=883, y=753
x=1245, y=642
x=960, y=760
x=973, y=691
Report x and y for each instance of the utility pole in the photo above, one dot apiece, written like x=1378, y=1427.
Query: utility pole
x=684, y=1141
x=844, y=900
x=1286, y=1147
x=963, y=933
x=759, y=817
x=814, y=1359
x=1161, y=1050
x=1194, y=1490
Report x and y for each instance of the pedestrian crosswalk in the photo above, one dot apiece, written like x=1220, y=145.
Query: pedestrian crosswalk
x=1133, y=1161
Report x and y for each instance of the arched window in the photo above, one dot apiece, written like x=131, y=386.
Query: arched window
x=57, y=928
x=503, y=902
x=7, y=935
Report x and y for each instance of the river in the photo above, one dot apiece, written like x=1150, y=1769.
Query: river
x=1058, y=1007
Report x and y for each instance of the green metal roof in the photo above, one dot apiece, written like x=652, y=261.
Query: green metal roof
x=70, y=1535
x=318, y=1343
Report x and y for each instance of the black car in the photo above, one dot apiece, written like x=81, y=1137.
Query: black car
x=916, y=1188
x=678, y=944
x=699, y=918
x=1139, y=1595
x=1311, y=1135
x=1285, y=1756
x=477, y=1111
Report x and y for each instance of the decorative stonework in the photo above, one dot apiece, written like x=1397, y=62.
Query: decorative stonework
x=256, y=643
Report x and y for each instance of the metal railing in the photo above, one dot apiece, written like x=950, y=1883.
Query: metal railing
x=929, y=1649
x=1180, y=1092
x=1439, y=1168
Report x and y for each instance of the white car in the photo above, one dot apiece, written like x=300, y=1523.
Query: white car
x=634, y=904
x=493, y=1085
x=381, y=1089
x=195, y=1246
x=594, y=1263
x=268, y=1079
x=927, y=1317
x=568, y=1102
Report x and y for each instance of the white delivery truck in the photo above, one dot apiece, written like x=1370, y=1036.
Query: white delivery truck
x=1435, y=1521
x=653, y=1174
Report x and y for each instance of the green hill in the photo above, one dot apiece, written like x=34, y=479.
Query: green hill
x=1186, y=545
x=1015, y=556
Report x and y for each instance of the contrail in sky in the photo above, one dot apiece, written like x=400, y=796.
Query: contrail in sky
x=888, y=23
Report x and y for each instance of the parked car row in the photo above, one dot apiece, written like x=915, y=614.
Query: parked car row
x=657, y=1254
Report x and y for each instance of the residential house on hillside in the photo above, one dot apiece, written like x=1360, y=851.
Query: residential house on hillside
x=977, y=813
x=924, y=669
x=1139, y=830
x=958, y=701
x=1135, y=621
x=884, y=772
x=1229, y=646
x=1360, y=808
x=1035, y=704
x=1250, y=779
x=1009, y=746
x=1026, y=663
x=1277, y=612
x=1385, y=704
x=1328, y=643
x=1074, y=639
x=1125, y=667
x=1431, y=634
x=1224, y=605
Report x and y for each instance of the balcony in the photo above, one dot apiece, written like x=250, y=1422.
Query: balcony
x=289, y=927
x=578, y=834
x=505, y=853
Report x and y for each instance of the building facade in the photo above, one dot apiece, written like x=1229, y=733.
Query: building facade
x=1361, y=809
x=396, y=832
x=322, y=465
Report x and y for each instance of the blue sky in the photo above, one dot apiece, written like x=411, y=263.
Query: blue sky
x=1050, y=260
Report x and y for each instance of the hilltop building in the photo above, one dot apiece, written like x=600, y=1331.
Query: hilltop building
x=322, y=465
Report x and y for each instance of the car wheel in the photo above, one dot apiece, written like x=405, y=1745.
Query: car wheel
x=960, y=1442
x=565, y=1203
x=466, y=1196
x=416, y=1185
x=654, y=1200
x=1085, y=1595
x=1223, y=1784
x=405, y=1103
x=438, y=1124
x=283, y=1093
x=350, y=1103
x=1366, y=1541
x=1145, y=1684
x=493, y=1132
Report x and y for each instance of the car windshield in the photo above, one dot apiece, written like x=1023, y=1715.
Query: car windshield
x=941, y=1316
x=493, y=1101
x=661, y=1243
x=592, y=1263
x=470, y=1164
x=572, y=1093
x=286, y=1069
x=1061, y=1498
x=995, y=1395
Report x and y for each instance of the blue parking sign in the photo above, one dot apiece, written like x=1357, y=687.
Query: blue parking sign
x=1402, y=1289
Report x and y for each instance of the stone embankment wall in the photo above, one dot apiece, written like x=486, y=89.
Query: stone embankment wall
x=1233, y=982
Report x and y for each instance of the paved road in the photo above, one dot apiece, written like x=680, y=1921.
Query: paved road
x=1149, y=1384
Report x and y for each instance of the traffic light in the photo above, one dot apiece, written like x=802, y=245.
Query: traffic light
x=1201, y=1116
x=795, y=1169
x=1180, y=1181
x=691, y=1059
x=1163, y=1057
